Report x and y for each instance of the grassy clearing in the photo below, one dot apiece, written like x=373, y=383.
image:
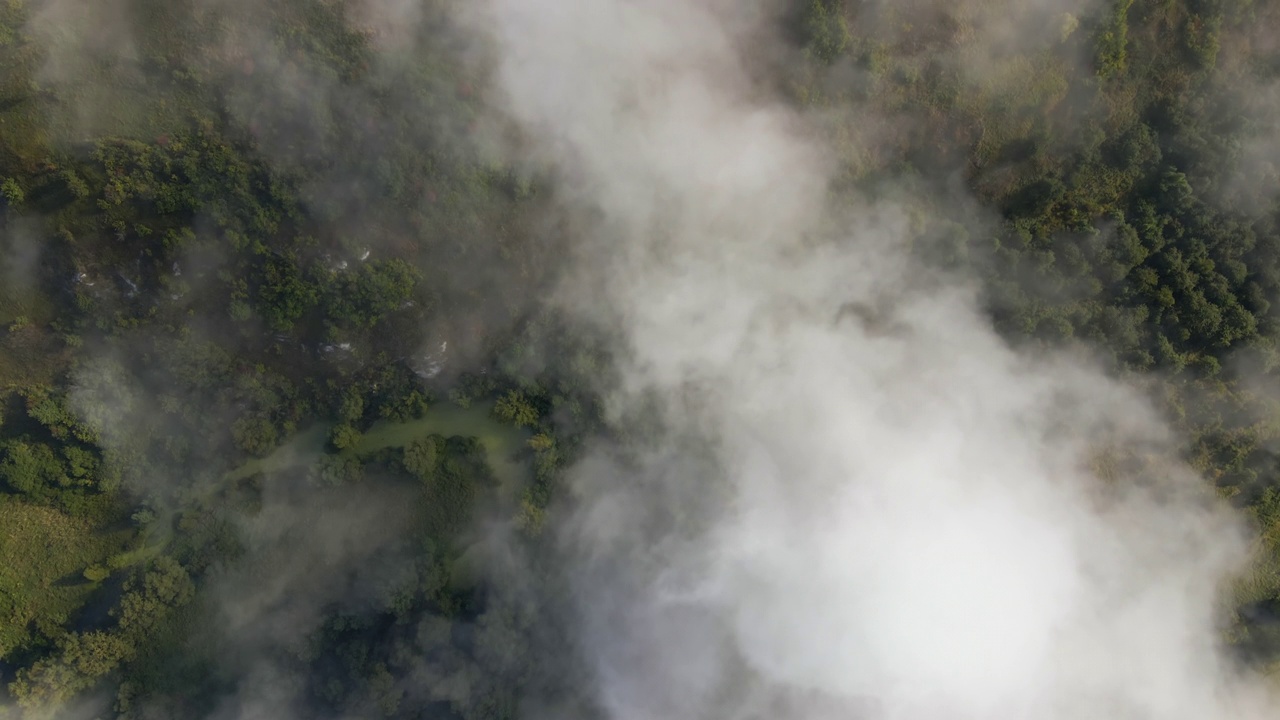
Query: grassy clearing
x=43, y=556
x=24, y=311
x=29, y=356
x=16, y=304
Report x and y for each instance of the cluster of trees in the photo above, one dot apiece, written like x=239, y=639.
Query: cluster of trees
x=51, y=458
x=81, y=658
x=205, y=287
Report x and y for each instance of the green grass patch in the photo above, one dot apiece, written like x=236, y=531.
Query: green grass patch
x=43, y=556
x=29, y=356
x=21, y=307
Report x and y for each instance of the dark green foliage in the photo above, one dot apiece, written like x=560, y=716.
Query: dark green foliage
x=284, y=296
x=422, y=457
x=351, y=408
x=1113, y=40
x=255, y=435
x=454, y=470
x=339, y=469
x=368, y=294
x=827, y=29
x=12, y=192
x=344, y=436
x=80, y=660
x=150, y=595
x=403, y=407
x=49, y=408
x=33, y=469
x=515, y=408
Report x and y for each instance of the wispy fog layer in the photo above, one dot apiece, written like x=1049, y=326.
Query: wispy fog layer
x=841, y=494
x=857, y=501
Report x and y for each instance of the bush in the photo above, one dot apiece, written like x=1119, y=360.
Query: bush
x=344, y=436
x=516, y=409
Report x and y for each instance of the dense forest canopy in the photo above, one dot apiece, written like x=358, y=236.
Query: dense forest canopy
x=523, y=359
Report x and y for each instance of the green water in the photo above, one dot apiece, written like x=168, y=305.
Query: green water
x=298, y=450
x=501, y=442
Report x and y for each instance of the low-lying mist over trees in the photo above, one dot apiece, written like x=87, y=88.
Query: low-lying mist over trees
x=639, y=359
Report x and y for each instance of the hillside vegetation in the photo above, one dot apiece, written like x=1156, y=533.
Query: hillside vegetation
x=224, y=225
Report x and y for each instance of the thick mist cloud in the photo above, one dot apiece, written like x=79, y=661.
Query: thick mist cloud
x=861, y=501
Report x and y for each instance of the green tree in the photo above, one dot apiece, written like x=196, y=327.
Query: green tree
x=334, y=470
x=255, y=435
x=1113, y=40
x=80, y=660
x=827, y=29
x=422, y=456
x=163, y=586
x=363, y=297
x=344, y=436
x=33, y=468
x=351, y=407
x=11, y=191
x=516, y=409
x=284, y=296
